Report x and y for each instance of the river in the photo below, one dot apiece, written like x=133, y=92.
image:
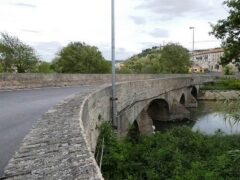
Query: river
x=208, y=118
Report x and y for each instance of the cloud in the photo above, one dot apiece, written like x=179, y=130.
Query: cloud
x=24, y=5
x=29, y=31
x=138, y=20
x=121, y=53
x=159, y=33
x=169, y=9
x=47, y=50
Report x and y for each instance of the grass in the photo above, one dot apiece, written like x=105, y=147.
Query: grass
x=223, y=84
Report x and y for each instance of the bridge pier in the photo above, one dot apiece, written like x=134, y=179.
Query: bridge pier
x=192, y=97
x=191, y=102
x=178, y=112
x=145, y=123
x=143, y=120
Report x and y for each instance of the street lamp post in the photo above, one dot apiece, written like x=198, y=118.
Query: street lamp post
x=113, y=98
x=193, y=28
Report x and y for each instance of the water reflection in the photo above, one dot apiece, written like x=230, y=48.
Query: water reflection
x=165, y=126
x=208, y=118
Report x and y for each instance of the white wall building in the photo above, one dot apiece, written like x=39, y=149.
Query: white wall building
x=208, y=59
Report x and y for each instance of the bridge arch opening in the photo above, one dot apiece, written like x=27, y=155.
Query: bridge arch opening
x=158, y=110
x=194, y=92
x=182, y=99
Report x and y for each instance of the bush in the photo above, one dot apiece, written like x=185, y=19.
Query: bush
x=228, y=70
x=177, y=154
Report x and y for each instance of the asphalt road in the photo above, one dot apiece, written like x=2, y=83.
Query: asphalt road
x=19, y=109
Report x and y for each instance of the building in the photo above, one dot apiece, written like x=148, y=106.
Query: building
x=208, y=59
x=197, y=69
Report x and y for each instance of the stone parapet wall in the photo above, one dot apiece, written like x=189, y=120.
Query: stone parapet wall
x=28, y=80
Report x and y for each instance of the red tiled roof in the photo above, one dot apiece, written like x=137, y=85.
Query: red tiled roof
x=208, y=51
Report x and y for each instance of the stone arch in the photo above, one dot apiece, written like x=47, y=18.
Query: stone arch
x=182, y=99
x=194, y=92
x=158, y=110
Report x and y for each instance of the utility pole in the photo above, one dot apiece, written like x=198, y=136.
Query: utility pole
x=193, y=28
x=113, y=98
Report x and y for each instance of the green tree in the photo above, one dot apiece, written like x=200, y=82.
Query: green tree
x=176, y=59
x=79, y=57
x=228, y=30
x=16, y=56
x=44, y=67
x=1, y=67
x=172, y=58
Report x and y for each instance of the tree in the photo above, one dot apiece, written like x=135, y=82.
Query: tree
x=16, y=56
x=172, y=58
x=1, y=67
x=176, y=59
x=79, y=57
x=44, y=67
x=229, y=31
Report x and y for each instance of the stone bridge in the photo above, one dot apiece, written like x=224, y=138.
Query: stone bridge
x=61, y=144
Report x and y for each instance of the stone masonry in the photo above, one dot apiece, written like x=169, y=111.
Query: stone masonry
x=30, y=80
x=55, y=148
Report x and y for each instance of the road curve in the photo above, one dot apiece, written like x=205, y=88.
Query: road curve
x=19, y=109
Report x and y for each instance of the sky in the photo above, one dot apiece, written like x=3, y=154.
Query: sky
x=49, y=25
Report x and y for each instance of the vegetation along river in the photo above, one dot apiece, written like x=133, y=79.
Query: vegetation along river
x=209, y=117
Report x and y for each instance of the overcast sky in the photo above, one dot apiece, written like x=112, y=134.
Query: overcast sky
x=48, y=25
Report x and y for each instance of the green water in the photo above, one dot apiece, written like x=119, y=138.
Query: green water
x=208, y=118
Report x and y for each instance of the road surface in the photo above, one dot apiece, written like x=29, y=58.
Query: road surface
x=19, y=109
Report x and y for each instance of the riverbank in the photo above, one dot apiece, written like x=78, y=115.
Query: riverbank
x=224, y=83
x=219, y=95
x=176, y=154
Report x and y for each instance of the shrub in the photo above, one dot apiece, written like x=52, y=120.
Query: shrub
x=177, y=154
x=228, y=70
